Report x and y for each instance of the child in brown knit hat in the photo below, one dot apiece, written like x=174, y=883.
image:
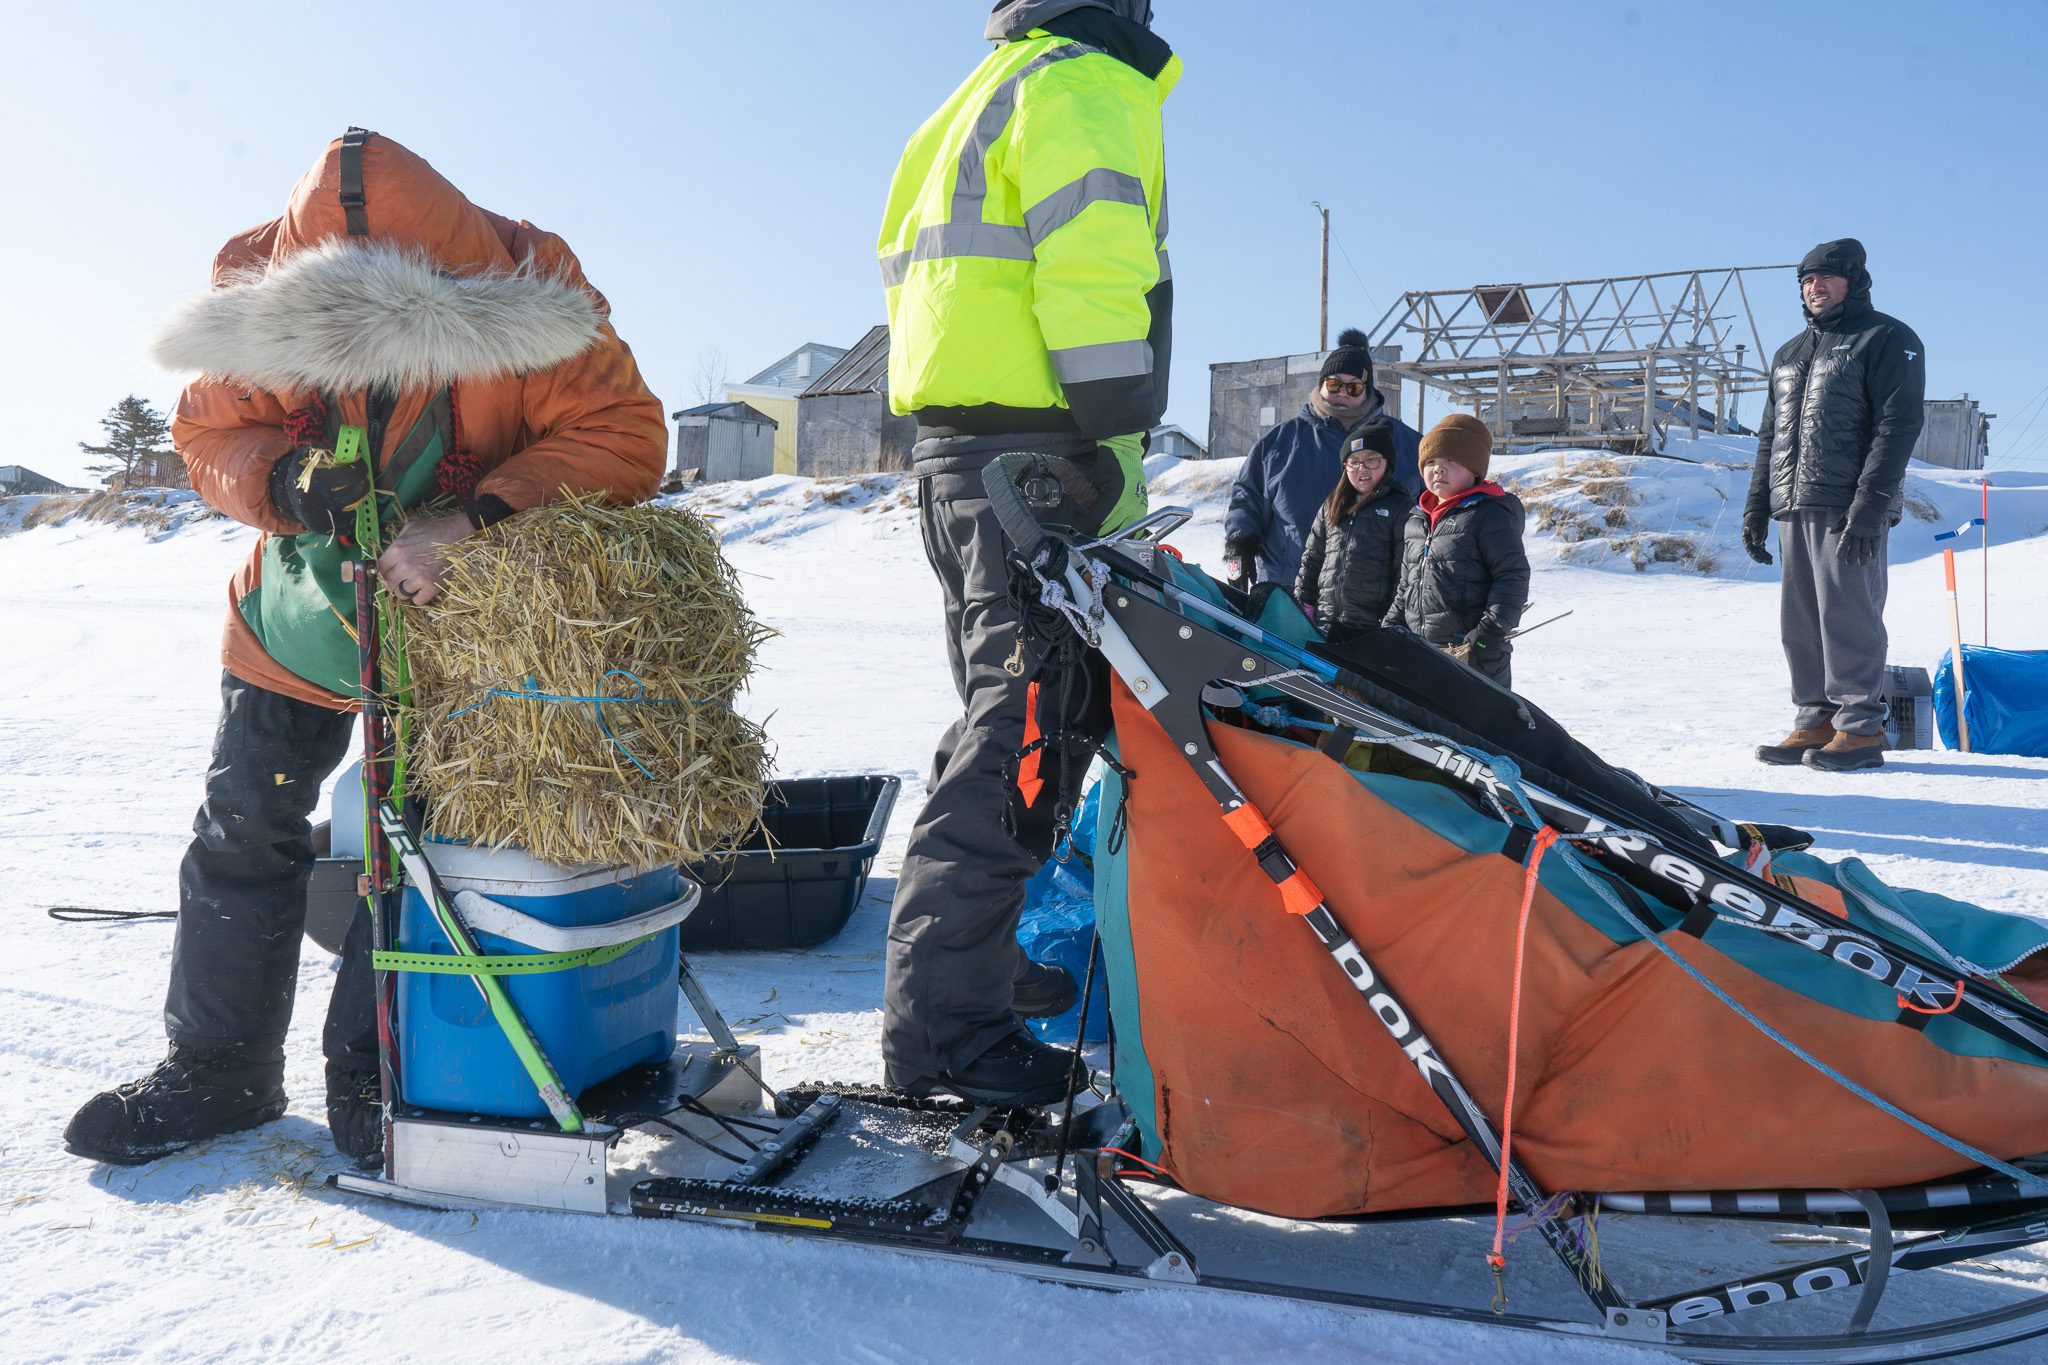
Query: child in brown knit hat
x=1464, y=574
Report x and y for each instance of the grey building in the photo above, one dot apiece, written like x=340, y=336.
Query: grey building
x=843, y=422
x=773, y=393
x=723, y=441
x=18, y=479
x=1248, y=398
x=1168, y=439
x=1957, y=433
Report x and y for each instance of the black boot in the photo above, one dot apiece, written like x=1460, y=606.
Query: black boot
x=1042, y=991
x=194, y=1094
x=355, y=1113
x=1018, y=1071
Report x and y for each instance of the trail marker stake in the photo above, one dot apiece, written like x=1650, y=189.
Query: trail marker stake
x=1955, y=639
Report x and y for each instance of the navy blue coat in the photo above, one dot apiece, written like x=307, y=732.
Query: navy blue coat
x=1285, y=478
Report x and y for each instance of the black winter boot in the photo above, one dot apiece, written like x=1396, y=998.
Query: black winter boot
x=1043, y=990
x=194, y=1094
x=1019, y=1070
x=355, y=1113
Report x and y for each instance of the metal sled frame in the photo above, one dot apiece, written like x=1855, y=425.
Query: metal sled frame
x=1097, y=1231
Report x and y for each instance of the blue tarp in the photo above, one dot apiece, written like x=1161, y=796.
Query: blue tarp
x=2007, y=703
x=1058, y=924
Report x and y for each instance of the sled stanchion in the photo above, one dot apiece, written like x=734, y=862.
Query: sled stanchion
x=380, y=744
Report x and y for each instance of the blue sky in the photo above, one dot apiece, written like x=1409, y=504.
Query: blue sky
x=719, y=168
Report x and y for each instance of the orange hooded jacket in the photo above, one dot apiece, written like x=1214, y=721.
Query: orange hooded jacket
x=586, y=424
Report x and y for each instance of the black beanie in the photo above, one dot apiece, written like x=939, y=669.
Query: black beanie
x=1376, y=434
x=1352, y=356
x=1844, y=257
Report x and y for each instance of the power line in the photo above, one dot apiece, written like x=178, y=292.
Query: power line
x=2012, y=446
x=1354, y=270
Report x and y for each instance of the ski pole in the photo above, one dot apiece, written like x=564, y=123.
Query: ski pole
x=1955, y=639
x=1517, y=634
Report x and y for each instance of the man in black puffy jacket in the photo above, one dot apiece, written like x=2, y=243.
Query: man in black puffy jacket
x=1843, y=413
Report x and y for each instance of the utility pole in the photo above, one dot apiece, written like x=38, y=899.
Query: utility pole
x=1323, y=310
x=1735, y=398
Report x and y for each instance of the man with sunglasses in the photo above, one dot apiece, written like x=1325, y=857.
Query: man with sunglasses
x=1292, y=468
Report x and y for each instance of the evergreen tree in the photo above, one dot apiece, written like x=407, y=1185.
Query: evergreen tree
x=138, y=446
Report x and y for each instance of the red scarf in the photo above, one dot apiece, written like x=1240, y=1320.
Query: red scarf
x=1439, y=508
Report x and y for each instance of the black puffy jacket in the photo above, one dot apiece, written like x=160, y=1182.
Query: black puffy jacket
x=1349, y=571
x=1467, y=567
x=1844, y=410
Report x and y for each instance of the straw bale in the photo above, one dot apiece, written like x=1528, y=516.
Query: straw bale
x=567, y=601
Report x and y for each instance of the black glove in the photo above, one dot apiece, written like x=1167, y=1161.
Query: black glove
x=1240, y=561
x=328, y=501
x=1859, y=530
x=1756, y=526
x=1487, y=635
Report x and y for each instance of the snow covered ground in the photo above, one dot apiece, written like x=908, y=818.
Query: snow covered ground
x=231, y=1252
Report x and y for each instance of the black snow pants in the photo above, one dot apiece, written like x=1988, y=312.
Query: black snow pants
x=242, y=886
x=952, y=953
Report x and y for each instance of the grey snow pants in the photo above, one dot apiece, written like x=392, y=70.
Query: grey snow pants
x=1831, y=616
x=952, y=951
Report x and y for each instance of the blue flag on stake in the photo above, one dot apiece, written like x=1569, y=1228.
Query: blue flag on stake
x=1961, y=530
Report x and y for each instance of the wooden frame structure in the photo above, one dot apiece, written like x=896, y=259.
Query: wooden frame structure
x=1610, y=362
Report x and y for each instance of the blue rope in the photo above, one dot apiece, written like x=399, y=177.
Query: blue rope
x=1280, y=718
x=532, y=693
x=1510, y=776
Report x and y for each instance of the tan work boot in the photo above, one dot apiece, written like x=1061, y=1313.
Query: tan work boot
x=1796, y=745
x=1847, y=753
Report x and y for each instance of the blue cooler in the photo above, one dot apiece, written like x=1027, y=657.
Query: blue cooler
x=592, y=1022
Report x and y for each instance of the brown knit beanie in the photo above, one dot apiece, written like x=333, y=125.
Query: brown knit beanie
x=1460, y=438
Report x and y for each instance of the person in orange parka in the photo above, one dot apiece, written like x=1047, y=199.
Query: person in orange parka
x=483, y=368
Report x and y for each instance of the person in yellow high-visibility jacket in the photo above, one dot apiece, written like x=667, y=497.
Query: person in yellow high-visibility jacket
x=1023, y=257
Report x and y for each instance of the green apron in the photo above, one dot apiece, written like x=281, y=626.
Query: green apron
x=302, y=612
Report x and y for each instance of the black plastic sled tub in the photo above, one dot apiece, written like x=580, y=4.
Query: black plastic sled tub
x=796, y=880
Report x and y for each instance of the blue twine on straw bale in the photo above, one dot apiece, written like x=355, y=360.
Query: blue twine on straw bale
x=530, y=692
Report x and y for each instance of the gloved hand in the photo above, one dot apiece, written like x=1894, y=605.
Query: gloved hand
x=1756, y=526
x=320, y=497
x=1859, y=530
x=1240, y=561
x=1487, y=635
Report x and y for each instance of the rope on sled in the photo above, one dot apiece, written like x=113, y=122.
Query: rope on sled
x=1510, y=776
x=1497, y=1258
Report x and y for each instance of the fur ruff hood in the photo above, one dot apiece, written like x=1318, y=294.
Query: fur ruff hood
x=344, y=315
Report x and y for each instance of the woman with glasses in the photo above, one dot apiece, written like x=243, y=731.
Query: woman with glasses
x=1289, y=470
x=1352, y=561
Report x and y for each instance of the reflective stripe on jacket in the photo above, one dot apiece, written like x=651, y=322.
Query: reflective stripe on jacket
x=1022, y=249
